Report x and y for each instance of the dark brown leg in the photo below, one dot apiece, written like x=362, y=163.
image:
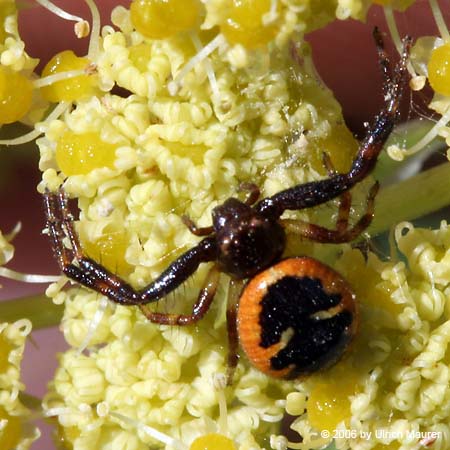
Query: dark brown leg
x=234, y=291
x=253, y=190
x=341, y=234
x=318, y=192
x=199, y=309
x=383, y=60
x=55, y=231
x=94, y=276
x=67, y=223
x=345, y=200
x=345, y=203
x=198, y=231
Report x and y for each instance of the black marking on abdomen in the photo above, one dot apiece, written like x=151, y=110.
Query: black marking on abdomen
x=293, y=303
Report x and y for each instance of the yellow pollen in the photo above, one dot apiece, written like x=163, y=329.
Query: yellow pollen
x=212, y=441
x=439, y=70
x=244, y=23
x=71, y=89
x=79, y=154
x=110, y=249
x=155, y=19
x=16, y=94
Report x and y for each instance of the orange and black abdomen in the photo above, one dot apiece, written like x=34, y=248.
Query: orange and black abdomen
x=296, y=317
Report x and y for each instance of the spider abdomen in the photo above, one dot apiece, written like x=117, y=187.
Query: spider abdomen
x=296, y=317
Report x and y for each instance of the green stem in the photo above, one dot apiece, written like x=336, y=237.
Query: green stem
x=39, y=309
x=417, y=196
x=407, y=135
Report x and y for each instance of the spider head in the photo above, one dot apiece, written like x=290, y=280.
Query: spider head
x=247, y=242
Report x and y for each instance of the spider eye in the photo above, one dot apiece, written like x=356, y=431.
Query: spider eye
x=296, y=317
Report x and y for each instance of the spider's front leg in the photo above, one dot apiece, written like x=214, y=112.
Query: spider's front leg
x=76, y=266
x=55, y=230
x=318, y=192
x=394, y=85
x=73, y=263
x=342, y=232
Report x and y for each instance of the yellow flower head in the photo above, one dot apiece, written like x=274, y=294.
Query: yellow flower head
x=15, y=431
x=164, y=118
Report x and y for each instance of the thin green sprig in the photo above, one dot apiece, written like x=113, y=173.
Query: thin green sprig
x=40, y=310
x=410, y=199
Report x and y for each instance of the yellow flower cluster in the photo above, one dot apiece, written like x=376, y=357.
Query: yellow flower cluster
x=15, y=432
x=16, y=89
x=187, y=129
x=162, y=377
x=160, y=120
x=428, y=62
x=391, y=391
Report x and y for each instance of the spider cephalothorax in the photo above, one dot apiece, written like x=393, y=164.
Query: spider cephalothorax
x=299, y=315
x=241, y=232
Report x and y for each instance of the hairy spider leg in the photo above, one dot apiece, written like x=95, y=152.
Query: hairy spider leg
x=200, y=308
x=345, y=200
x=318, y=192
x=89, y=273
x=234, y=292
x=383, y=60
x=67, y=223
x=63, y=255
x=393, y=88
x=345, y=203
x=342, y=233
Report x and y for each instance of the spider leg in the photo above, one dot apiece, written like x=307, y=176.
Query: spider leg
x=384, y=123
x=199, y=309
x=234, y=291
x=179, y=271
x=194, y=229
x=345, y=200
x=55, y=230
x=253, y=190
x=67, y=223
x=75, y=265
x=87, y=272
x=342, y=233
x=383, y=59
x=345, y=203
x=95, y=276
x=318, y=192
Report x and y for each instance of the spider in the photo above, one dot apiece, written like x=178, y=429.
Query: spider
x=295, y=315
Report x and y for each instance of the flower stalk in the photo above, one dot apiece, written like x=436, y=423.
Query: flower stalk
x=38, y=309
x=417, y=196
